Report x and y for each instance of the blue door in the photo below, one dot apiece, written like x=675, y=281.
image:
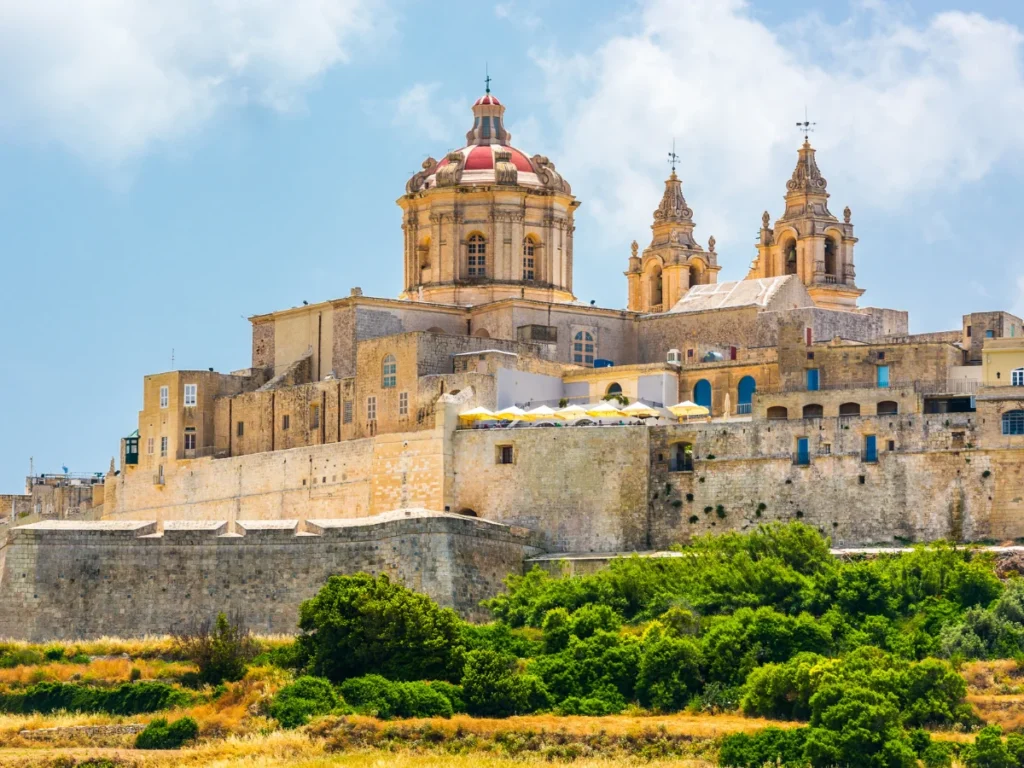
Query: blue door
x=702, y=393
x=870, y=448
x=883, y=375
x=803, y=451
x=812, y=380
x=745, y=390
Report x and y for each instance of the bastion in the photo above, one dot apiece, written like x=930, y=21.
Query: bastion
x=62, y=580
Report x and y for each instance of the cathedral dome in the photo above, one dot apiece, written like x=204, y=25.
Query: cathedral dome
x=488, y=158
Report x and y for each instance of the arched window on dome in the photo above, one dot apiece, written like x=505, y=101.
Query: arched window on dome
x=389, y=370
x=583, y=348
x=529, y=262
x=477, y=256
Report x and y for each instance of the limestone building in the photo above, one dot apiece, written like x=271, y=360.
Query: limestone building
x=341, y=446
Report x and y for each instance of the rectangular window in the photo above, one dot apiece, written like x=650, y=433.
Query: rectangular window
x=149, y=445
x=165, y=396
x=1013, y=423
x=883, y=375
x=190, y=439
x=190, y=395
x=241, y=429
x=286, y=421
x=892, y=445
x=826, y=449
x=813, y=380
x=163, y=446
x=881, y=355
x=505, y=454
x=314, y=416
x=346, y=412
x=1017, y=377
x=810, y=355
x=528, y=268
x=371, y=408
x=870, y=448
x=968, y=331
x=403, y=404
x=990, y=334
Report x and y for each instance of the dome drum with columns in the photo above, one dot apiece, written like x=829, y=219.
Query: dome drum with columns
x=488, y=221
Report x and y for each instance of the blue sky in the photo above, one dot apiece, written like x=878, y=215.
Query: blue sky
x=167, y=172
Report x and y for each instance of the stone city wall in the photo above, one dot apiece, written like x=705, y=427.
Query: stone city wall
x=62, y=580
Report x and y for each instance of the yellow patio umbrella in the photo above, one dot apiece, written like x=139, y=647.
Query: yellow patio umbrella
x=540, y=413
x=511, y=413
x=640, y=410
x=688, y=408
x=571, y=412
x=603, y=410
x=477, y=414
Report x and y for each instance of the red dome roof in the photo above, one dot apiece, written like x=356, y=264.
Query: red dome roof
x=487, y=98
x=478, y=166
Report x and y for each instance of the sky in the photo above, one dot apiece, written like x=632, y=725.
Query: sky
x=169, y=169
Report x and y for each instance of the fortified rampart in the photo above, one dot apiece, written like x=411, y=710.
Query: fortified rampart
x=72, y=580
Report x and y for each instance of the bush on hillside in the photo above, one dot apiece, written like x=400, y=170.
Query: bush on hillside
x=307, y=697
x=125, y=699
x=493, y=686
x=377, y=696
x=222, y=649
x=160, y=734
x=358, y=625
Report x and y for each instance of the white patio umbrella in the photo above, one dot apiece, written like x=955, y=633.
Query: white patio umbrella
x=603, y=410
x=640, y=410
x=477, y=414
x=688, y=408
x=540, y=413
x=571, y=412
x=511, y=413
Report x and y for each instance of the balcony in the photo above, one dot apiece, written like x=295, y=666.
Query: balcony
x=744, y=408
x=680, y=465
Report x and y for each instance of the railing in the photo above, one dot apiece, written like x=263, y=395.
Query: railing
x=680, y=465
x=869, y=457
x=196, y=453
x=831, y=279
x=948, y=387
x=802, y=459
x=579, y=400
x=743, y=408
x=777, y=389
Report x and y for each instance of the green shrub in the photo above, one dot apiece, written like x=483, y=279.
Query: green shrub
x=222, y=649
x=493, y=686
x=307, y=697
x=451, y=692
x=769, y=746
x=380, y=697
x=357, y=625
x=988, y=750
x=160, y=734
x=124, y=699
x=669, y=673
x=13, y=656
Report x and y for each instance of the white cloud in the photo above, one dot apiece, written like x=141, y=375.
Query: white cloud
x=108, y=78
x=422, y=109
x=903, y=107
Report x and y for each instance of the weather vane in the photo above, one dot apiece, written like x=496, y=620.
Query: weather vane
x=806, y=127
x=673, y=158
x=487, y=78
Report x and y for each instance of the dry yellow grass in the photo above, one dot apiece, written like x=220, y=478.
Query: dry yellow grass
x=141, y=648
x=99, y=671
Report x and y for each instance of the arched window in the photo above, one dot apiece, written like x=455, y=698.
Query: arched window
x=789, y=252
x=482, y=333
x=1013, y=423
x=694, y=275
x=529, y=248
x=745, y=394
x=702, y=393
x=477, y=256
x=830, y=256
x=778, y=412
x=613, y=389
x=888, y=408
x=849, y=409
x=813, y=411
x=1017, y=377
x=583, y=348
x=389, y=380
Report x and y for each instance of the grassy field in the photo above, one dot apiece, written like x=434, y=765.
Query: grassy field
x=235, y=730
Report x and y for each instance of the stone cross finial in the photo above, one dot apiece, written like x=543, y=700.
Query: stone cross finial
x=846, y=214
x=765, y=218
x=635, y=248
x=711, y=244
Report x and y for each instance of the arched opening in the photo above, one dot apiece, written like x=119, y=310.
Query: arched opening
x=1013, y=423
x=702, y=393
x=849, y=409
x=655, y=284
x=389, y=373
x=529, y=261
x=583, y=348
x=830, y=258
x=696, y=272
x=482, y=333
x=888, y=408
x=613, y=389
x=813, y=411
x=789, y=257
x=467, y=512
x=435, y=329
x=681, y=458
x=778, y=412
x=745, y=394
x=477, y=251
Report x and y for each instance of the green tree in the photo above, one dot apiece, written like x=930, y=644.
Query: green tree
x=307, y=697
x=358, y=625
x=988, y=750
x=669, y=673
x=493, y=686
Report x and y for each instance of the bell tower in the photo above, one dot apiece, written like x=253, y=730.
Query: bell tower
x=808, y=241
x=674, y=261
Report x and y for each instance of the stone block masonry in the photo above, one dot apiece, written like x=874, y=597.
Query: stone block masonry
x=65, y=580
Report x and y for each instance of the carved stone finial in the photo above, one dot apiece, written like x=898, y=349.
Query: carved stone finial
x=846, y=214
x=505, y=171
x=673, y=205
x=806, y=176
x=418, y=179
x=549, y=177
x=765, y=218
x=635, y=247
x=449, y=174
x=711, y=244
